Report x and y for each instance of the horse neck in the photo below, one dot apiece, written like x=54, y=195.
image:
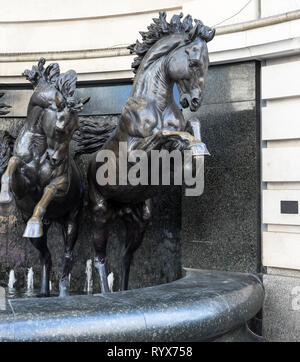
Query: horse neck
x=62, y=142
x=35, y=109
x=154, y=83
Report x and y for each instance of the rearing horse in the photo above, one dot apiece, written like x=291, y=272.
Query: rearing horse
x=42, y=178
x=170, y=53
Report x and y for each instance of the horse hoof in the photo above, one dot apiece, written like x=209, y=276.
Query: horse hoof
x=34, y=229
x=6, y=197
x=199, y=149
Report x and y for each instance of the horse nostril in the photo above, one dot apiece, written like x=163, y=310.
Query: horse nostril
x=195, y=102
x=184, y=101
x=195, y=63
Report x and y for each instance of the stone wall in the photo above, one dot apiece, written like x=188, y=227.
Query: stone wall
x=221, y=228
x=281, y=311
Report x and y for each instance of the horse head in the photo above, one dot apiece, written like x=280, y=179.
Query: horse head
x=184, y=45
x=58, y=107
x=188, y=65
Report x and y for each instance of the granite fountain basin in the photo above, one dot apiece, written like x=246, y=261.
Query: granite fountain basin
x=204, y=305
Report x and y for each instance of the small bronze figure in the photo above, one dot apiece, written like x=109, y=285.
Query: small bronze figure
x=42, y=178
x=170, y=53
x=4, y=108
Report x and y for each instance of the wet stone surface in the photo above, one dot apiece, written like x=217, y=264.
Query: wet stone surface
x=201, y=306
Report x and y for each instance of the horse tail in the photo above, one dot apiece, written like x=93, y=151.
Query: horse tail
x=91, y=136
x=6, y=149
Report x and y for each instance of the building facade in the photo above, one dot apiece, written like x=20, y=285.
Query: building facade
x=248, y=219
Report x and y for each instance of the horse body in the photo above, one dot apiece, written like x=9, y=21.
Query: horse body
x=40, y=176
x=150, y=120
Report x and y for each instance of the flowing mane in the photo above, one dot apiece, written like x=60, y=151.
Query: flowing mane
x=64, y=82
x=160, y=28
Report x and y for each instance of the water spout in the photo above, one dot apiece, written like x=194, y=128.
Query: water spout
x=30, y=280
x=110, y=281
x=12, y=279
x=89, y=276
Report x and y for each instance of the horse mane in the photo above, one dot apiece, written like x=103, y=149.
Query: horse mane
x=64, y=82
x=160, y=28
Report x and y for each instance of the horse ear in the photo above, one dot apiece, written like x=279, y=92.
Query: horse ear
x=84, y=100
x=210, y=35
x=193, y=32
x=57, y=99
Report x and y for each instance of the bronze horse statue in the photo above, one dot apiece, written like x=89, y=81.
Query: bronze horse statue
x=41, y=176
x=170, y=53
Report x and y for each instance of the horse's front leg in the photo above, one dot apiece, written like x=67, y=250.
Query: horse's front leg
x=5, y=194
x=185, y=141
x=194, y=128
x=34, y=227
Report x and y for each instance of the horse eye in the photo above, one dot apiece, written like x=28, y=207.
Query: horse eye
x=60, y=106
x=195, y=64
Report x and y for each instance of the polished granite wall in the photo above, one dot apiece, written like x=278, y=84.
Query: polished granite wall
x=221, y=228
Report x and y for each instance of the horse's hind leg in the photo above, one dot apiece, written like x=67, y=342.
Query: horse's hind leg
x=45, y=258
x=70, y=233
x=5, y=194
x=136, y=224
x=100, y=237
x=102, y=214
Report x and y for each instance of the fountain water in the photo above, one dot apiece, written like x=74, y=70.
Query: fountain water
x=2, y=299
x=30, y=281
x=89, y=276
x=110, y=281
x=11, y=281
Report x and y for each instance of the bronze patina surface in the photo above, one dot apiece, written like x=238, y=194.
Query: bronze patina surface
x=40, y=176
x=170, y=53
